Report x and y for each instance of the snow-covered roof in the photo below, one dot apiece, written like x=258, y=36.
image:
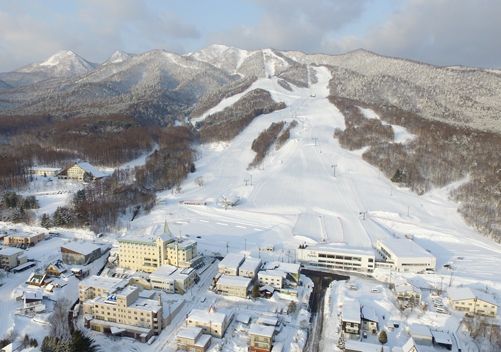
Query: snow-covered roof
x=466, y=293
x=91, y=169
x=23, y=235
x=262, y=330
x=291, y=268
x=10, y=251
x=272, y=273
x=420, y=331
x=334, y=248
x=230, y=280
x=205, y=316
x=190, y=332
x=182, y=244
x=163, y=272
x=232, y=260
x=45, y=168
x=250, y=264
x=354, y=345
x=369, y=313
x=243, y=318
x=84, y=248
x=351, y=311
x=441, y=337
x=110, y=284
x=409, y=346
x=32, y=295
x=265, y=320
x=404, y=247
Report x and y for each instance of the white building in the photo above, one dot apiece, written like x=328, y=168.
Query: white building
x=211, y=322
x=273, y=278
x=337, y=257
x=44, y=171
x=192, y=339
x=472, y=302
x=173, y=280
x=237, y=286
x=250, y=267
x=11, y=257
x=351, y=319
x=405, y=255
x=231, y=263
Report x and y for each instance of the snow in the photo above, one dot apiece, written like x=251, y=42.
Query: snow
x=466, y=293
x=232, y=261
x=10, y=251
x=351, y=311
x=403, y=247
x=401, y=135
x=58, y=57
x=229, y=280
x=262, y=330
x=206, y=316
x=190, y=332
x=84, y=248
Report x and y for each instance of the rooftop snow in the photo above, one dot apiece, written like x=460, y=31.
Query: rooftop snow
x=205, y=316
x=351, y=311
x=273, y=273
x=441, y=337
x=107, y=283
x=291, y=268
x=191, y=332
x=465, y=293
x=10, y=251
x=164, y=271
x=91, y=169
x=369, y=313
x=420, y=330
x=341, y=248
x=361, y=346
x=230, y=280
x=84, y=248
x=262, y=330
x=23, y=234
x=403, y=247
x=232, y=260
x=250, y=264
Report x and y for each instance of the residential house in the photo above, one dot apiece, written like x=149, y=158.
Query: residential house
x=261, y=338
x=192, y=339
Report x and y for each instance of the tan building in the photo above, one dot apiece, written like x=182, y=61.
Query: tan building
x=261, y=338
x=192, y=339
x=23, y=239
x=406, y=294
x=231, y=263
x=95, y=286
x=472, y=302
x=123, y=312
x=237, y=286
x=211, y=322
x=11, y=257
x=173, y=280
x=81, y=171
x=147, y=254
x=250, y=267
x=80, y=253
x=273, y=278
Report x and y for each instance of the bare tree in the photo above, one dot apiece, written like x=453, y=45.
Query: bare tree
x=59, y=319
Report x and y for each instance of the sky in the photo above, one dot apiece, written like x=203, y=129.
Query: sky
x=441, y=32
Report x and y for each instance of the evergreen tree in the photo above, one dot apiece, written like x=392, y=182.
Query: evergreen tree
x=82, y=343
x=45, y=221
x=383, y=337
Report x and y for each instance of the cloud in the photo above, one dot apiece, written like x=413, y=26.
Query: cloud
x=93, y=29
x=293, y=24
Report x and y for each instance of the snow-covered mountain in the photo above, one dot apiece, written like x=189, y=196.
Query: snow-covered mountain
x=159, y=83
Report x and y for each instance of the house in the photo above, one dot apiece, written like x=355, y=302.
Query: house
x=472, y=302
x=237, y=286
x=370, y=320
x=37, y=279
x=11, y=258
x=350, y=319
x=44, y=171
x=273, y=278
x=409, y=346
x=231, y=263
x=123, y=312
x=261, y=338
x=291, y=270
x=442, y=339
x=249, y=267
x=12, y=347
x=211, y=322
x=405, y=255
x=80, y=253
x=406, y=294
x=421, y=334
x=172, y=279
x=81, y=171
x=147, y=253
x=55, y=269
x=361, y=346
x=192, y=339
x=23, y=239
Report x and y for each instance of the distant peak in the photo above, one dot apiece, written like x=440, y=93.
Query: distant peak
x=118, y=56
x=58, y=57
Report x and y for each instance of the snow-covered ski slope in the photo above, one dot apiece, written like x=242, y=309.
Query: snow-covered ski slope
x=297, y=183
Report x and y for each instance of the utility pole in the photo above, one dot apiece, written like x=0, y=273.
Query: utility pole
x=334, y=169
x=245, y=244
x=227, y=246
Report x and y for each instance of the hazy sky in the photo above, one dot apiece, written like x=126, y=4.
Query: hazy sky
x=443, y=32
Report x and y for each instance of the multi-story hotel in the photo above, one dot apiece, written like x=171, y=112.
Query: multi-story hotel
x=148, y=253
x=117, y=308
x=405, y=255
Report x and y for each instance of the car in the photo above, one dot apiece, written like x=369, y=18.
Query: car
x=375, y=290
x=364, y=334
x=199, y=236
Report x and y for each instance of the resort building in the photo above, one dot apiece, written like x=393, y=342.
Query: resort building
x=261, y=338
x=124, y=313
x=81, y=171
x=11, y=257
x=231, y=264
x=405, y=255
x=472, y=302
x=95, y=286
x=237, y=286
x=337, y=257
x=23, y=239
x=192, y=339
x=211, y=322
x=148, y=253
x=172, y=279
x=80, y=253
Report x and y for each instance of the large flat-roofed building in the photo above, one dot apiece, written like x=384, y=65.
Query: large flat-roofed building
x=249, y=267
x=148, y=253
x=23, y=239
x=172, y=279
x=95, y=286
x=405, y=255
x=351, y=319
x=231, y=264
x=192, y=339
x=261, y=338
x=11, y=257
x=211, y=322
x=123, y=312
x=472, y=302
x=80, y=253
x=337, y=257
x=237, y=286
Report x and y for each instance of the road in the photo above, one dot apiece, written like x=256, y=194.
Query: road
x=321, y=280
